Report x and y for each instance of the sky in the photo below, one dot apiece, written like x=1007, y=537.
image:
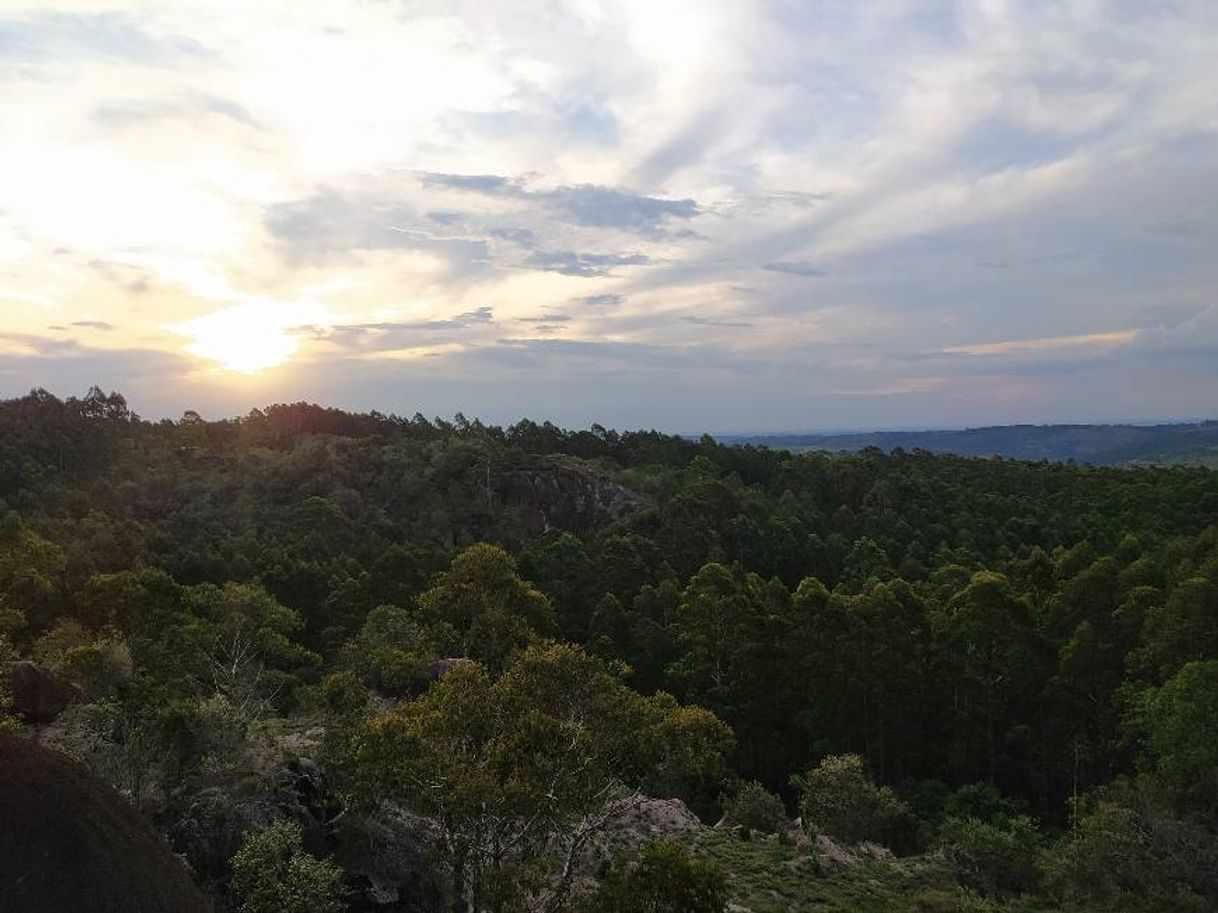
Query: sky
x=731, y=216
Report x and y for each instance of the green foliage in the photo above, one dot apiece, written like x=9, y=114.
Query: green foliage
x=1182, y=718
x=521, y=771
x=1044, y=629
x=8, y=655
x=391, y=652
x=837, y=798
x=272, y=874
x=490, y=609
x=344, y=694
x=664, y=880
x=997, y=859
x=99, y=666
x=1132, y=860
x=756, y=808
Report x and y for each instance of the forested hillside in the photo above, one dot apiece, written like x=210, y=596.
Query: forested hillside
x=1005, y=672
x=1100, y=445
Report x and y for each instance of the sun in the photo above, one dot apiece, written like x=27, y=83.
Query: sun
x=245, y=339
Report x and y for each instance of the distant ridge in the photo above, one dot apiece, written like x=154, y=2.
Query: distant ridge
x=1100, y=445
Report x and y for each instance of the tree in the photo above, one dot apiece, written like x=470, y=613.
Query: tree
x=756, y=808
x=664, y=880
x=490, y=609
x=988, y=644
x=391, y=652
x=272, y=874
x=520, y=772
x=1182, y=722
x=837, y=798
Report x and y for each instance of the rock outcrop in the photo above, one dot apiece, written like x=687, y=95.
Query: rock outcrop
x=68, y=841
x=564, y=490
x=38, y=694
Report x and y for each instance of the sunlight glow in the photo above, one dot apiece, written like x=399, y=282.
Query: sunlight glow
x=246, y=339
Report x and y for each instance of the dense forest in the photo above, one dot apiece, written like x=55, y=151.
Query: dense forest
x=978, y=684
x=1100, y=445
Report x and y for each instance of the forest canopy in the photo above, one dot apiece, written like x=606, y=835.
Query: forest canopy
x=932, y=652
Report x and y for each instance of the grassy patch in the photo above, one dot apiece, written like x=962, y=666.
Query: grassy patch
x=770, y=877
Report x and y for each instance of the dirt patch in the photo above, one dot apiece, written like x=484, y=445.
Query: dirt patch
x=70, y=842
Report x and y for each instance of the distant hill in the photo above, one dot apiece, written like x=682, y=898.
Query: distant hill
x=1101, y=445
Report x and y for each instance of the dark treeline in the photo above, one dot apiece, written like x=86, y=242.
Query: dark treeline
x=952, y=621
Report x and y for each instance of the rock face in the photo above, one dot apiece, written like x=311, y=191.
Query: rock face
x=206, y=823
x=39, y=695
x=564, y=490
x=387, y=852
x=70, y=842
x=390, y=855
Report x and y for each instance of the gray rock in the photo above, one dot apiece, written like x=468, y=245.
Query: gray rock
x=38, y=694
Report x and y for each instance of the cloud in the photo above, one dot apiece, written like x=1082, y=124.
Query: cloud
x=601, y=301
x=523, y=236
x=547, y=318
x=588, y=205
x=1084, y=340
x=36, y=36
x=137, y=111
x=972, y=201
x=709, y=322
x=570, y=263
x=332, y=222
x=100, y=325
x=794, y=268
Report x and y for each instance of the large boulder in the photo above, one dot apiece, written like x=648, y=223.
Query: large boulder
x=391, y=857
x=68, y=841
x=38, y=694
x=206, y=822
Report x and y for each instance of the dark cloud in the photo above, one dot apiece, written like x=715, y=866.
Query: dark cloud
x=547, y=318
x=489, y=184
x=589, y=205
x=605, y=207
x=330, y=222
x=101, y=325
x=522, y=236
x=794, y=268
x=570, y=263
x=481, y=316
x=709, y=322
x=601, y=301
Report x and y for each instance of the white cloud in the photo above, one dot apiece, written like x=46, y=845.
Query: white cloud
x=854, y=184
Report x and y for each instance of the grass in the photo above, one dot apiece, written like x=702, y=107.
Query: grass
x=771, y=877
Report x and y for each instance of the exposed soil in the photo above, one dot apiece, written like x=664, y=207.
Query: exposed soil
x=70, y=842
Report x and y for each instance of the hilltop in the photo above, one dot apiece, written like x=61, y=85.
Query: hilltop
x=1098, y=445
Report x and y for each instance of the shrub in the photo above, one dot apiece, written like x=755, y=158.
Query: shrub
x=997, y=860
x=838, y=799
x=756, y=808
x=1121, y=858
x=344, y=694
x=664, y=880
x=271, y=874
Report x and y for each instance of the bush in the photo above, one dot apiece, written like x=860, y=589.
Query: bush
x=756, y=808
x=997, y=860
x=1121, y=858
x=664, y=880
x=343, y=694
x=271, y=874
x=98, y=666
x=838, y=799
